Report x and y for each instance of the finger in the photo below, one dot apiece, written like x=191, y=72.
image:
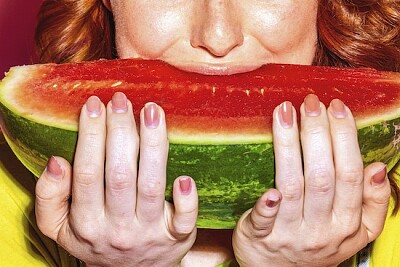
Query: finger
x=186, y=207
x=153, y=163
x=260, y=220
x=52, y=197
x=121, y=160
x=289, y=174
x=88, y=172
x=375, y=199
x=348, y=164
x=318, y=162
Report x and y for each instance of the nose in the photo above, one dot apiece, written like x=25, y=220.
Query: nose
x=217, y=27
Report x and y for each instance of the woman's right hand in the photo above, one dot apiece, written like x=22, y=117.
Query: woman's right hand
x=106, y=210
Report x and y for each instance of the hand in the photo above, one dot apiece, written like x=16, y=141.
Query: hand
x=117, y=215
x=321, y=214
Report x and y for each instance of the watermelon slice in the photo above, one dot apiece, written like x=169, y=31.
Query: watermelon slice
x=219, y=127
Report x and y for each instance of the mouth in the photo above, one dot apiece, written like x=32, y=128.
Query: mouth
x=215, y=69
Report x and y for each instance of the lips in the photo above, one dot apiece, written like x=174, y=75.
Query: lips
x=215, y=69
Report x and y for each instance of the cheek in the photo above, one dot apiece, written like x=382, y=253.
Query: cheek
x=147, y=33
x=286, y=28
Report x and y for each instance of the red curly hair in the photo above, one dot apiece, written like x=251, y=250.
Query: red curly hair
x=351, y=33
x=359, y=33
x=74, y=30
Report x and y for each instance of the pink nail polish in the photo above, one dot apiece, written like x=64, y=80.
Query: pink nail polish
x=53, y=168
x=93, y=107
x=286, y=114
x=338, y=109
x=119, y=103
x=151, y=115
x=185, y=183
x=380, y=176
x=312, y=105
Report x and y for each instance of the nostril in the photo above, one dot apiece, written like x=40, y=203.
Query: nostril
x=218, y=42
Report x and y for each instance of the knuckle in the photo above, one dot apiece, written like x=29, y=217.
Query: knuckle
x=185, y=219
x=349, y=224
x=152, y=190
x=188, y=215
x=382, y=197
x=91, y=137
x=153, y=141
x=351, y=228
x=120, y=179
x=291, y=191
x=345, y=134
x=316, y=244
x=86, y=232
x=284, y=144
x=121, y=132
x=152, y=159
x=320, y=180
x=43, y=198
x=352, y=176
x=87, y=176
x=184, y=226
x=260, y=225
x=42, y=193
x=314, y=131
x=122, y=242
x=89, y=133
x=313, y=246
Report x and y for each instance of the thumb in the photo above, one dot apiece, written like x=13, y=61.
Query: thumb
x=186, y=207
x=259, y=221
x=375, y=199
x=52, y=197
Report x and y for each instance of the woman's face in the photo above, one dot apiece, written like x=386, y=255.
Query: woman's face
x=217, y=36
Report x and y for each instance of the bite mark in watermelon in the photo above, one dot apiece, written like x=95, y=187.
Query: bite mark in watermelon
x=219, y=127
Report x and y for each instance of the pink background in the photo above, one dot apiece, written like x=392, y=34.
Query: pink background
x=17, y=24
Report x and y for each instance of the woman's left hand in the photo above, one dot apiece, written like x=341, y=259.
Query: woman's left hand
x=326, y=206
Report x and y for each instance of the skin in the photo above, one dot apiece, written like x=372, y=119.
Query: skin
x=318, y=215
x=217, y=36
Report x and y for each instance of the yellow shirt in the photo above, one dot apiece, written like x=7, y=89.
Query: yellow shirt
x=24, y=245
x=386, y=249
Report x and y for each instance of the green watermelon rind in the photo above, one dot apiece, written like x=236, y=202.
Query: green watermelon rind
x=222, y=199
x=381, y=142
x=224, y=192
x=35, y=143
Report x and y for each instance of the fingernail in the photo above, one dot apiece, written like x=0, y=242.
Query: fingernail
x=119, y=103
x=93, y=107
x=151, y=115
x=286, y=114
x=185, y=183
x=53, y=168
x=380, y=176
x=312, y=105
x=272, y=201
x=338, y=109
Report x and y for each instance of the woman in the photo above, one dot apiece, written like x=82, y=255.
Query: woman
x=216, y=37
